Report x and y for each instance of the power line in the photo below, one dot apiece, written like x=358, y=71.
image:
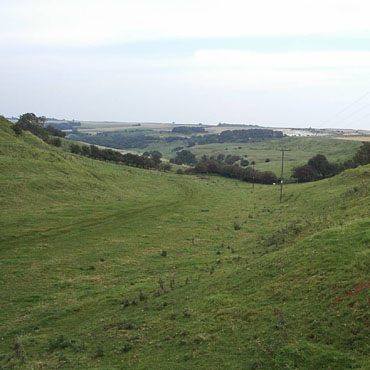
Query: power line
x=347, y=107
x=354, y=113
x=282, y=172
x=360, y=119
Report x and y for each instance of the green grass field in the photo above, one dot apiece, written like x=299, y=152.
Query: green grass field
x=301, y=149
x=110, y=267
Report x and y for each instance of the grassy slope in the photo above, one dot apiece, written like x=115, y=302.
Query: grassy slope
x=79, y=237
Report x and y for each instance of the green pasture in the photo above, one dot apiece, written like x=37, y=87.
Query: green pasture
x=300, y=151
x=104, y=266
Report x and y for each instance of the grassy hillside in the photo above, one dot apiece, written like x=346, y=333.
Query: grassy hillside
x=107, y=267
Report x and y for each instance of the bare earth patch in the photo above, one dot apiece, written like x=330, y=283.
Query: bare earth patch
x=354, y=291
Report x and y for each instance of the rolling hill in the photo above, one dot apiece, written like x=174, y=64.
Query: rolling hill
x=108, y=267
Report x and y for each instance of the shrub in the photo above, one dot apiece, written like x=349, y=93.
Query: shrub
x=56, y=142
x=362, y=157
x=236, y=226
x=17, y=129
x=75, y=148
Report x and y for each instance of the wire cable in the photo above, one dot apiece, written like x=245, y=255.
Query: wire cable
x=347, y=107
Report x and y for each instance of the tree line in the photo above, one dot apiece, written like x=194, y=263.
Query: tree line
x=130, y=139
x=148, y=161
x=223, y=166
x=318, y=167
x=214, y=166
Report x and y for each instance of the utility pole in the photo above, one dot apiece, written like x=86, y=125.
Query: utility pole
x=253, y=175
x=282, y=173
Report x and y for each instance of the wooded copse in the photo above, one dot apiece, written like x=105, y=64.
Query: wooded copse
x=318, y=167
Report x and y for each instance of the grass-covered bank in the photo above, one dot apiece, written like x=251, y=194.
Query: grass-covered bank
x=244, y=281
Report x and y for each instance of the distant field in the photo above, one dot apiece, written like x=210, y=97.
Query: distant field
x=94, y=127
x=353, y=138
x=302, y=149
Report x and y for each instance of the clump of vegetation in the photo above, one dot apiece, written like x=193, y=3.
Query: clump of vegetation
x=18, y=347
x=237, y=226
x=188, y=130
x=318, y=167
x=234, y=171
x=129, y=159
x=30, y=122
x=99, y=352
x=60, y=342
x=184, y=157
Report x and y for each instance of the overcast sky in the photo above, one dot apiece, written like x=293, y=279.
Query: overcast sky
x=293, y=63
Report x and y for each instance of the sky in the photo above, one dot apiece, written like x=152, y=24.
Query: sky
x=275, y=63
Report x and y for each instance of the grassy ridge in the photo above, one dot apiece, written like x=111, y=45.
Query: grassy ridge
x=246, y=282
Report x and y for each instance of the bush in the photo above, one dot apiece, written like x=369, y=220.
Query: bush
x=236, y=226
x=362, y=157
x=56, y=142
x=304, y=173
x=17, y=129
x=184, y=157
x=75, y=148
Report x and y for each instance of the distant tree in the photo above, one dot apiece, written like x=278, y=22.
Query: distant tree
x=304, y=173
x=188, y=129
x=95, y=152
x=29, y=120
x=85, y=150
x=184, y=157
x=321, y=165
x=56, y=142
x=165, y=166
x=55, y=132
x=244, y=162
x=266, y=177
x=75, y=148
x=362, y=157
x=221, y=156
x=156, y=153
x=17, y=129
x=231, y=159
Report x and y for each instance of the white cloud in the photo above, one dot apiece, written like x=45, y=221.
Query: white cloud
x=81, y=22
